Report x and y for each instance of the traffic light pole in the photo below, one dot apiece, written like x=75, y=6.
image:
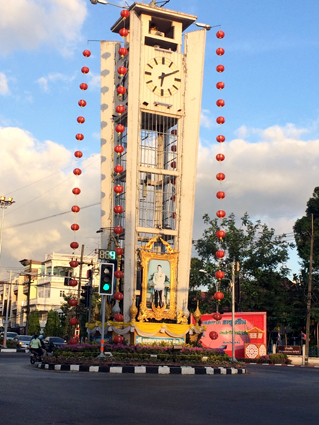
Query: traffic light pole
x=103, y=299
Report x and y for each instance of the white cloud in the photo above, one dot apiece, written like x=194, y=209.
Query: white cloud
x=205, y=120
x=271, y=180
x=26, y=24
x=39, y=177
x=4, y=88
x=52, y=78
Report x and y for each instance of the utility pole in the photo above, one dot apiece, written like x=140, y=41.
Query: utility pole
x=28, y=302
x=7, y=311
x=309, y=295
x=80, y=274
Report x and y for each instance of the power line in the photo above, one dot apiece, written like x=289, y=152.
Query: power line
x=46, y=218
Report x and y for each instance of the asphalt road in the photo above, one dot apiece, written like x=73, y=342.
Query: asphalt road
x=267, y=395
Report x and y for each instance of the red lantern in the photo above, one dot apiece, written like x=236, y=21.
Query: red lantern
x=220, y=103
x=220, y=176
x=73, y=282
x=220, y=51
x=213, y=335
x=75, y=209
x=79, y=137
x=220, y=254
x=85, y=70
x=80, y=120
x=76, y=191
x=220, y=275
x=118, y=339
x=119, y=250
x=75, y=227
x=220, y=157
x=121, y=90
x=73, y=341
x=119, y=149
x=174, y=132
x=220, y=214
x=77, y=171
x=73, y=302
x=220, y=139
x=220, y=195
x=220, y=234
x=123, y=52
x=220, y=85
x=119, y=317
x=220, y=120
x=118, y=296
x=86, y=53
x=120, y=129
x=118, y=169
x=173, y=148
x=83, y=86
x=120, y=109
x=125, y=14
x=118, y=209
x=217, y=316
x=73, y=263
x=219, y=295
x=74, y=245
x=82, y=103
x=78, y=154
x=220, y=34
x=123, y=32
x=118, y=274
x=118, y=189
x=122, y=70
x=220, y=68
x=173, y=164
x=118, y=230
x=73, y=321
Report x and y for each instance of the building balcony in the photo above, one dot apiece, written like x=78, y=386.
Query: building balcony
x=15, y=288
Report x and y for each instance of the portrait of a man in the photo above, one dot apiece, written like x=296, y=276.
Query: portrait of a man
x=158, y=284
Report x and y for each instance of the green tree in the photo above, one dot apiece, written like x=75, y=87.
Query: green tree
x=263, y=272
x=53, y=325
x=34, y=323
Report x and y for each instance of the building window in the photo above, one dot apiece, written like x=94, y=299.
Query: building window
x=62, y=293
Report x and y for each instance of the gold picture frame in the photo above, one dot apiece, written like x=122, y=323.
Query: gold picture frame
x=162, y=307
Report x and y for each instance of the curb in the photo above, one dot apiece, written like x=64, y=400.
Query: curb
x=156, y=370
x=287, y=365
x=14, y=350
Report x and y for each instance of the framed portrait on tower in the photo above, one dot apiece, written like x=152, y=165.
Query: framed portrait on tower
x=158, y=296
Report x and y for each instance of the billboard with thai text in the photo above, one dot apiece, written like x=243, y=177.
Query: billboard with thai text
x=243, y=323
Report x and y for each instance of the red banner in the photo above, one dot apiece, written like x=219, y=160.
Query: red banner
x=243, y=323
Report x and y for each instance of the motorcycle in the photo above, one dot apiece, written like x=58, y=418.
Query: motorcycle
x=34, y=356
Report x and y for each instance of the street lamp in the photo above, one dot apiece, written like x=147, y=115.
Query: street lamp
x=107, y=2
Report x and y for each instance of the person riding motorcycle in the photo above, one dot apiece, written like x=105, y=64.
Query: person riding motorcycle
x=35, y=345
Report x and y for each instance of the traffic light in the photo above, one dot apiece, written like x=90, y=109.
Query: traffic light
x=106, y=279
x=85, y=295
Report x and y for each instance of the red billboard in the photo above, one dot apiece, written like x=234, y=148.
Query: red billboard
x=243, y=323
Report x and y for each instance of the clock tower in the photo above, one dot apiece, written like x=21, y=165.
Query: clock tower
x=153, y=76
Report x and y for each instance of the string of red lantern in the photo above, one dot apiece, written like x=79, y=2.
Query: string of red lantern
x=76, y=190
x=220, y=157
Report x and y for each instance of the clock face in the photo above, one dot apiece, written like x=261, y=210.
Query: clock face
x=162, y=76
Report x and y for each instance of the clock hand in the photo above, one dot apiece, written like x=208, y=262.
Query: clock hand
x=171, y=73
x=162, y=77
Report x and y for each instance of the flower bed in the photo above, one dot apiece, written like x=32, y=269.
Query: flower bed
x=138, y=354
x=278, y=358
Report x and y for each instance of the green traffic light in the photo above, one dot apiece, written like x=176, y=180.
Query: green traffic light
x=106, y=287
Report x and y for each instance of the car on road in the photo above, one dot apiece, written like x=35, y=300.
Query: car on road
x=53, y=342
x=10, y=335
x=22, y=341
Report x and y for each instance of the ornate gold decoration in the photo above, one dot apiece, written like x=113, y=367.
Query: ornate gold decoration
x=181, y=318
x=143, y=313
x=108, y=311
x=193, y=338
x=96, y=314
x=172, y=257
x=197, y=314
x=133, y=309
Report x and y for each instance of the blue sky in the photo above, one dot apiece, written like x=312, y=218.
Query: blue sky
x=271, y=111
